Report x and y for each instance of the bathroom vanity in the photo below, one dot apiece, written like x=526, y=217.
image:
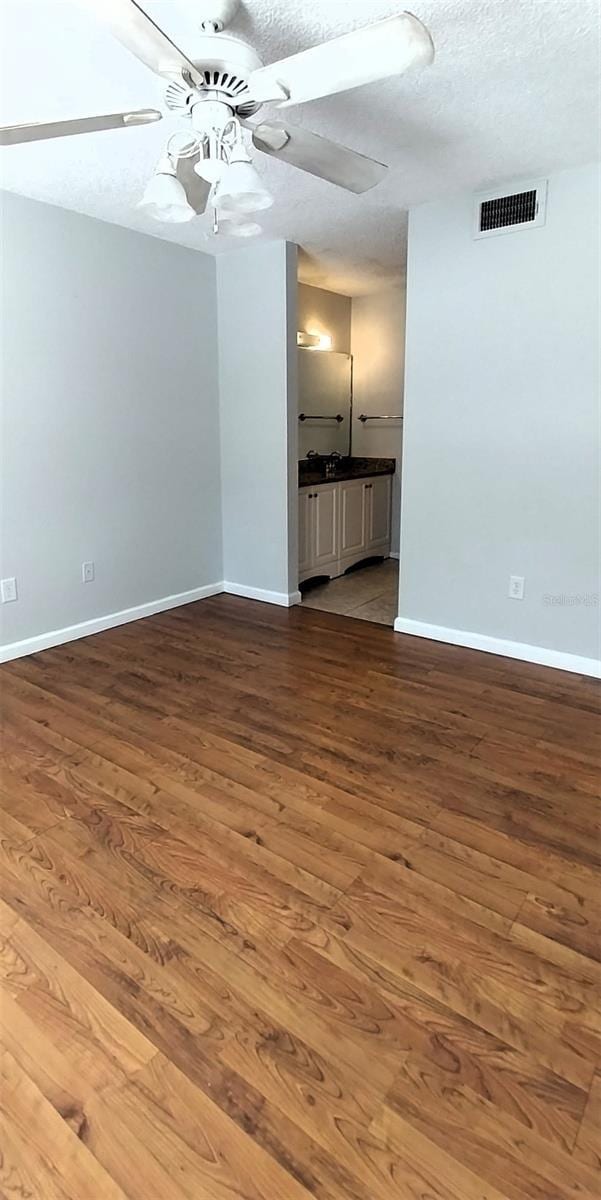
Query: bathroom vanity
x=345, y=518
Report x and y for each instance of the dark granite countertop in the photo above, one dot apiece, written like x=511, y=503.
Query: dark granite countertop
x=310, y=473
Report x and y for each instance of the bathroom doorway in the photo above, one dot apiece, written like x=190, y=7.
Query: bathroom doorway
x=349, y=452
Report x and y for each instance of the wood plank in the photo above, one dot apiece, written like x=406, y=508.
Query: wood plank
x=183, y=809
x=469, y=933
x=54, y=1073
x=10, y=826
x=336, y=1112
x=510, y=1076
x=588, y=1142
x=492, y=1144
x=429, y=1163
x=31, y=797
x=573, y=922
x=88, y=1031
x=180, y=1144
x=540, y=860
x=52, y=1157
x=517, y=1020
x=111, y=981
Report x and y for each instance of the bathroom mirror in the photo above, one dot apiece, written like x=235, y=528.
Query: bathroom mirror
x=324, y=402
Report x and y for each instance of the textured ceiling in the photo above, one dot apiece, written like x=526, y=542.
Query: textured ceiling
x=513, y=92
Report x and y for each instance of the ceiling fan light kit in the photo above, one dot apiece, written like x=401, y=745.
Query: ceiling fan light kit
x=217, y=93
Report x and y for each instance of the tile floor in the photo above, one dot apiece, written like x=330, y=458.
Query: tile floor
x=369, y=593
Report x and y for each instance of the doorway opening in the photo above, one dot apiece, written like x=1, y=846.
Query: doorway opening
x=350, y=393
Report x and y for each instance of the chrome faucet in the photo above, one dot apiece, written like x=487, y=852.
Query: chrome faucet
x=332, y=462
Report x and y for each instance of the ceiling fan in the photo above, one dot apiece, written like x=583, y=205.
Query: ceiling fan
x=219, y=93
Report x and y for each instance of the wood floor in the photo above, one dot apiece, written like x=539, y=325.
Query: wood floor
x=294, y=907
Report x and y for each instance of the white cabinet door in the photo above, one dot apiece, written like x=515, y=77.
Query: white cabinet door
x=325, y=517
x=305, y=530
x=352, y=517
x=378, y=510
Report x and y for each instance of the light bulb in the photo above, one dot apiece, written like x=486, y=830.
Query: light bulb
x=210, y=169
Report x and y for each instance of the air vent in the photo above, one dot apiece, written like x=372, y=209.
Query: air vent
x=505, y=212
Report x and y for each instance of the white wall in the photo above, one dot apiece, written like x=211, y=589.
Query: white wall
x=378, y=346
x=256, y=290
x=501, y=435
x=325, y=312
x=110, y=446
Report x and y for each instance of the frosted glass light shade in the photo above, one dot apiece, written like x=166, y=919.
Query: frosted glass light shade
x=241, y=189
x=165, y=199
x=243, y=229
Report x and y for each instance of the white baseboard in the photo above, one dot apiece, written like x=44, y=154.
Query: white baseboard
x=56, y=637
x=284, y=599
x=542, y=655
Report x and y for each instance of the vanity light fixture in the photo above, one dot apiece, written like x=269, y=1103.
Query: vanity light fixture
x=314, y=341
x=308, y=341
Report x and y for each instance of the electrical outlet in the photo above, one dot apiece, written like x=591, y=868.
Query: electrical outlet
x=87, y=572
x=8, y=590
x=516, y=587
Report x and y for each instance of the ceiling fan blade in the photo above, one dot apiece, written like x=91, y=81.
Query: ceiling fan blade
x=197, y=190
x=319, y=156
x=387, y=48
x=137, y=31
x=11, y=135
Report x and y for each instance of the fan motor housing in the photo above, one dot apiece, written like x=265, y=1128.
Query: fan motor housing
x=225, y=62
